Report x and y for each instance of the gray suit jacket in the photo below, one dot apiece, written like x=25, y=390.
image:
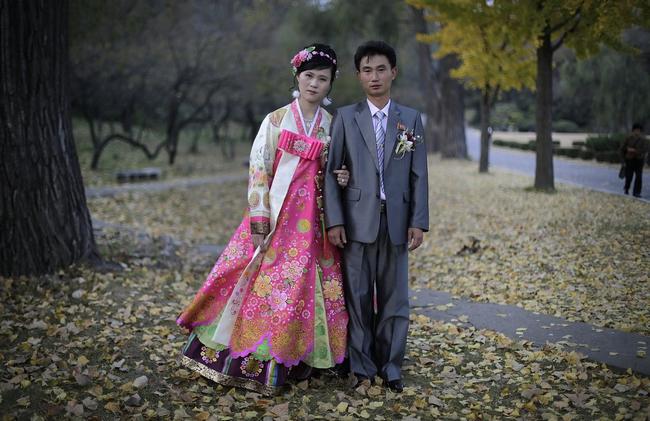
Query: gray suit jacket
x=357, y=206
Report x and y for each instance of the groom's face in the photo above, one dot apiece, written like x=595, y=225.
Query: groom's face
x=376, y=75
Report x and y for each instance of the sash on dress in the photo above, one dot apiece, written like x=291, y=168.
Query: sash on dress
x=300, y=145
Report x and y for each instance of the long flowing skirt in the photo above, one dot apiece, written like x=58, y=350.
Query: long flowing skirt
x=260, y=319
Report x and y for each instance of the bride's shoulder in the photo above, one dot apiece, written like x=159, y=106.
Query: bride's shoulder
x=326, y=115
x=275, y=117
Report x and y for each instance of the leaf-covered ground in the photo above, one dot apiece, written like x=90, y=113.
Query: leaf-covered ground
x=204, y=214
x=103, y=346
x=576, y=254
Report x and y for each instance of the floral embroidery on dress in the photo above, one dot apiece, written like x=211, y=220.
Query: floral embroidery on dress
x=278, y=300
x=263, y=286
x=300, y=146
x=332, y=289
x=276, y=116
x=209, y=355
x=251, y=366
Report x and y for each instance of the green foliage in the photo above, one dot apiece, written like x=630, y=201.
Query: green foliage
x=605, y=143
x=345, y=25
x=565, y=126
x=568, y=152
x=608, y=156
x=586, y=154
x=607, y=92
x=508, y=116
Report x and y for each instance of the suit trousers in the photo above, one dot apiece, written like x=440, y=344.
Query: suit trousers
x=377, y=341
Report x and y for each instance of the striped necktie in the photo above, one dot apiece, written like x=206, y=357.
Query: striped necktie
x=380, y=136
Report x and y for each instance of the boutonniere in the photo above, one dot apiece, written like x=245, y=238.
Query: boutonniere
x=406, y=141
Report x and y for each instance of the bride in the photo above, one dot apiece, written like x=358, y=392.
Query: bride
x=272, y=308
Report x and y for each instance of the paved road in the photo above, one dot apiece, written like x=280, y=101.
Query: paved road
x=591, y=175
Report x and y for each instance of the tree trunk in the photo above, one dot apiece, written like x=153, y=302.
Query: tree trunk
x=253, y=124
x=45, y=221
x=194, y=148
x=453, y=143
x=543, y=121
x=428, y=87
x=484, y=160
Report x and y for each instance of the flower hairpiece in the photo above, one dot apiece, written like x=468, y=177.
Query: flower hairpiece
x=306, y=55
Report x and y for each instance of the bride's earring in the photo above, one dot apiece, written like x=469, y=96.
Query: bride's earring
x=327, y=101
x=295, y=93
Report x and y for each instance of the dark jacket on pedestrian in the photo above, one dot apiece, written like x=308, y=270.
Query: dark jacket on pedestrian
x=635, y=146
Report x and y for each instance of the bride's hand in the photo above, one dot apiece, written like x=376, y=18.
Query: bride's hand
x=258, y=241
x=342, y=176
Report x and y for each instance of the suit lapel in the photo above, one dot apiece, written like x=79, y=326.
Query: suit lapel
x=364, y=121
x=391, y=133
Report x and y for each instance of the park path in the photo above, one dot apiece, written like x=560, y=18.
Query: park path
x=158, y=186
x=587, y=174
x=618, y=349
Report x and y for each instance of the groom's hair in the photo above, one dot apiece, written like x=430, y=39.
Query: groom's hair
x=375, y=48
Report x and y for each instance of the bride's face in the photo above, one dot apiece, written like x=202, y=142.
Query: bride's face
x=314, y=84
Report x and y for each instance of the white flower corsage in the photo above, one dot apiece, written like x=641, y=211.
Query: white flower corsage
x=406, y=141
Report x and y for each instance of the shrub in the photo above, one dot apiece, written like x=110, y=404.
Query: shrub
x=605, y=143
x=578, y=144
x=569, y=152
x=573, y=152
x=532, y=144
x=601, y=156
x=565, y=126
x=614, y=157
x=499, y=142
x=586, y=154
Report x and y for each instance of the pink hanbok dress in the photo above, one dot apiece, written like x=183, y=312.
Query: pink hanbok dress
x=261, y=314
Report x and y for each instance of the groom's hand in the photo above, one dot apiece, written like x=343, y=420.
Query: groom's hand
x=415, y=237
x=336, y=236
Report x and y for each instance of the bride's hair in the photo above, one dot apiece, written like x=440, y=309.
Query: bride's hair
x=322, y=57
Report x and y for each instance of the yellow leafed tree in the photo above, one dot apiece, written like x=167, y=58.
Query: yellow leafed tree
x=503, y=43
x=493, y=59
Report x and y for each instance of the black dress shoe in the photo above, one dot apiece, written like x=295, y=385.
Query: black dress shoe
x=396, y=386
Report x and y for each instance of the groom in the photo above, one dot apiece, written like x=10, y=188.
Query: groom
x=379, y=216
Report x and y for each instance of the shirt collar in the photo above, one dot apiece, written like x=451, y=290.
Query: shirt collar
x=374, y=109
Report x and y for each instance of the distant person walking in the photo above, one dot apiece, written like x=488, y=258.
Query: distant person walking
x=633, y=150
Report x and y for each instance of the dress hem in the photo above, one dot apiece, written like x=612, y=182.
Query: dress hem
x=226, y=380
